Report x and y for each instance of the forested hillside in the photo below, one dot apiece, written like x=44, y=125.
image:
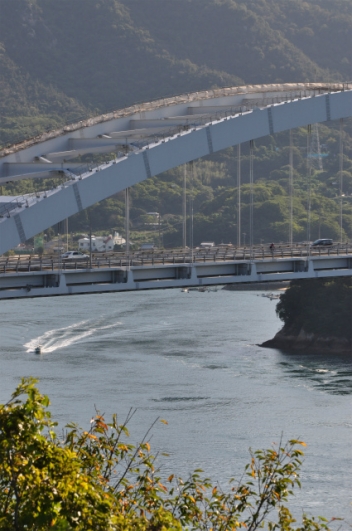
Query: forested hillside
x=65, y=60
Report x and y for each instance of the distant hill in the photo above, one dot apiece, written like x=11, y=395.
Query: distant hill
x=60, y=60
x=259, y=41
x=28, y=106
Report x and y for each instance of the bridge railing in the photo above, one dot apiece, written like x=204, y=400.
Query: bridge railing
x=24, y=264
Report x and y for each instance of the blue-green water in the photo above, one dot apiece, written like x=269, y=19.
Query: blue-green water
x=192, y=359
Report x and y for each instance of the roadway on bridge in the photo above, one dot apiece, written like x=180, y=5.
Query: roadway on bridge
x=221, y=253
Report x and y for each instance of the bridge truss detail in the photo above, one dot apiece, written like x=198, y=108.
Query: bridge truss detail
x=150, y=139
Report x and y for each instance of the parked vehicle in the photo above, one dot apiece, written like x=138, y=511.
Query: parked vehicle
x=74, y=255
x=322, y=242
x=207, y=245
x=147, y=247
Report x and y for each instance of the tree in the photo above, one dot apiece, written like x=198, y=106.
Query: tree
x=320, y=306
x=95, y=479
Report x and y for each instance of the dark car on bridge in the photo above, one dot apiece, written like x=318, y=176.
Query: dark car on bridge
x=322, y=242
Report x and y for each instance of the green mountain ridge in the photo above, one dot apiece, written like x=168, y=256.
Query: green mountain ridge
x=92, y=56
x=234, y=39
x=41, y=106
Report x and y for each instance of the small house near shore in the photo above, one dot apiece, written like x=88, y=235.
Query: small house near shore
x=101, y=244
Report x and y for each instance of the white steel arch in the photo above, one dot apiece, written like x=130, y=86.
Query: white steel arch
x=149, y=139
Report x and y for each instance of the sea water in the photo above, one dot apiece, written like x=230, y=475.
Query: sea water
x=194, y=360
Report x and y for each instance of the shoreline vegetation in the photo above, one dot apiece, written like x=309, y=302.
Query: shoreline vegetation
x=317, y=316
x=97, y=480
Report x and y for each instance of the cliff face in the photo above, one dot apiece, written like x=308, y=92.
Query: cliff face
x=317, y=316
x=289, y=339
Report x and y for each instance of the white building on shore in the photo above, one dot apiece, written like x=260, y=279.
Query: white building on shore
x=101, y=244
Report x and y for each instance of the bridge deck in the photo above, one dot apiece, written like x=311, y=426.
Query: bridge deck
x=40, y=277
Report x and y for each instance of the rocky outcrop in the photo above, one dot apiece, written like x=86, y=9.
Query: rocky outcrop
x=290, y=339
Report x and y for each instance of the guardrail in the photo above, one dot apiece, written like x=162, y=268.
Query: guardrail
x=21, y=264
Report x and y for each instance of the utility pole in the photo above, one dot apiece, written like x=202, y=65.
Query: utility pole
x=239, y=195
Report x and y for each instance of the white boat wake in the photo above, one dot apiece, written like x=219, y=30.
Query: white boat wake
x=64, y=337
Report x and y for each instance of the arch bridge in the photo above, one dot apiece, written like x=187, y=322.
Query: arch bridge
x=149, y=139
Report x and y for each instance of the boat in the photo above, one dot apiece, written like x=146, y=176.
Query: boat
x=38, y=349
x=271, y=296
x=185, y=290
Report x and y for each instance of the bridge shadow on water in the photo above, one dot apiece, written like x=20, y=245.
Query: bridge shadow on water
x=329, y=373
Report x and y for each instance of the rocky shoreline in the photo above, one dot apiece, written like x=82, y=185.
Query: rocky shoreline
x=258, y=286
x=292, y=340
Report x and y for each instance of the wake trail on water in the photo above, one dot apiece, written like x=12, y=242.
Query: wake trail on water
x=59, y=338
x=88, y=331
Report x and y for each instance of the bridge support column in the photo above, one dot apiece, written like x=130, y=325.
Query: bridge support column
x=130, y=282
x=194, y=277
x=254, y=274
x=62, y=281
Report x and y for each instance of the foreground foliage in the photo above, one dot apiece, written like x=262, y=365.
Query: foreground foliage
x=96, y=480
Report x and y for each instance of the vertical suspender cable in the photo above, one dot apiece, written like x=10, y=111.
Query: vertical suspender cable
x=66, y=230
x=251, y=194
x=90, y=237
x=290, y=186
x=191, y=164
x=239, y=195
x=127, y=220
x=184, y=207
x=341, y=176
x=309, y=176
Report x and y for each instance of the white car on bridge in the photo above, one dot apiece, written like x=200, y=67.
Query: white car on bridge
x=74, y=255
